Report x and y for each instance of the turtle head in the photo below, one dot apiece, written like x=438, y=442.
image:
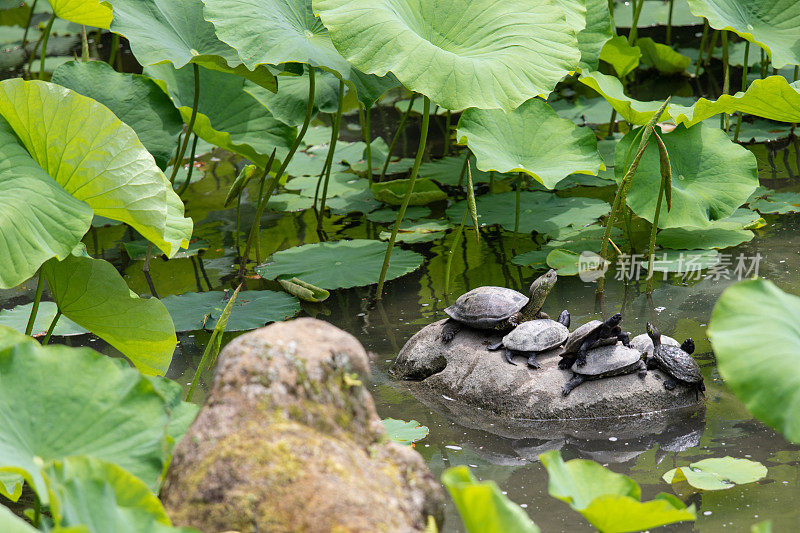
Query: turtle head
x=653, y=333
x=541, y=287
x=563, y=318
x=614, y=320
x=688, y=346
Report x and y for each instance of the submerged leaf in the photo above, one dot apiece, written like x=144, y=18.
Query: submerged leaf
x=253, y=309
x=404, y=432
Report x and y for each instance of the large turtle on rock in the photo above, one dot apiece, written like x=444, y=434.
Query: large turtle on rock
x=591, y=335
x=677, y=363
x=606, y=361
x=534, y=336
x=498, y=308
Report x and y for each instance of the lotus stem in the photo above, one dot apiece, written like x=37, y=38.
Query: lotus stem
x=763, y=64
x=452, y=251
x=463, y=174
x=744, y=87
x=665, y=176
x=634, y=34
x=612, y=123
x=190, y=126
x=796, y=69
x=52, y=327
x=28, y=25
x=518, y=201
x=337, y=124
x=703, y=41
x=262, y=202
x=400, y=128
x=36, y=300
x=112, y=55
x=448, y=117
x=423, y=139
x=191, y=167
x=261, y=186
x=669, y=22
x=146, y=270
x=45, y=38
x=723, y=118
x=364, y=117
x=84, y=45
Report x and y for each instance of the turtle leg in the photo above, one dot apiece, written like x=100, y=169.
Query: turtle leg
x=574, y=381
x=670, y=383
x=625, y=338
x=514, y=320
x=532, y=362
x=582, y=352
x=650, y=361
x=641, y=369
x=496, y=346
x=449, y=329
x=510, y=356
x=565, y=363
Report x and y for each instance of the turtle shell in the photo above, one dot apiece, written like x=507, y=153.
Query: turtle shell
x=486, y=307
x=608, y=361
x=678, y=364
x=536, y=336
x=580, y=333
x=644, y=343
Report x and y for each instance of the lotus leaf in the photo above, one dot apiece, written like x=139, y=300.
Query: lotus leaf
x=757, y=130
x=17, y=319
x=681, y=261
x=404, y=432
x=619, y=53
x=227, y=116
x=136, y=100
x=339, y=264
x=340, y=184
x=290, y=102
x=482, y=506
x=465, y=53
x=252, y=309
x=753, y=331
x=531, y=139
x=174, y=31
x=717, y=473
x=95, y=13
x=769, y=24
x=711, y=176
x=58, y=401
x=392, y=192
x=609, y=501
x=599, y=29
x=93, y=295
x=447, y=171
x=662, y=57
x=387, y=214
x=11, y=523
x=92, y=154
x=541, y=212
x=719, y=235
x=778, y=202
x=419, y=231
x=584, y=111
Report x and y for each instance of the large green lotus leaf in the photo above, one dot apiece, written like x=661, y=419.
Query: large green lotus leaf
x=619, y=53
x=96, y=158
x=392, y=192
x=404, y=432
x=662, y=57
x=11, y=523
x=271, y=32
x=730, y=231
x=227, y=116
x=57, y=401
x=174, y=31
x=771, y=24
x=252, y=309
x=38, y=218
x=711, y=176
x=593, y=37
x=756, y=340
x=17, y=319
x=482, y=506
x=462, y=53
x=609, y=501
x=136, y=100
x=717, y=473
x=531, y=139
x=91, y=293
x=290, y=102
x=340, y=184
x=539, y=211
x=339, y=264
x=95, y=13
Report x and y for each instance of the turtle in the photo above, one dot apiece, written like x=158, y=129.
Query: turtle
x=679, y=365
x=534, y=336
x=498, y=308
x=606, y=361
x=591, y=335
x=644, y=343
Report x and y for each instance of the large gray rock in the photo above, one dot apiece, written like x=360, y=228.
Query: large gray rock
x=289, y=440
x=464, y=372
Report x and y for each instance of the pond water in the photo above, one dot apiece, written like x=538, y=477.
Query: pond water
x=681, y=307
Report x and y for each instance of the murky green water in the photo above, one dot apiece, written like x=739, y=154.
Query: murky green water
x=680, y=307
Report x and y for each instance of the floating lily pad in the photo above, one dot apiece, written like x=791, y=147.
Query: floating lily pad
x=311, y=163
x=720, y=235
x=339, y=264
x=754, y=333
x=339, y=184
x=393, y=192
x=681, y=261
x=387, y=214
x=572, y=262
x=780, y=203
x=447, y=171
x=609, y=501
x=17, y=319
x=540, y=211
x=354, y=202
x=717, y=473
x=419, y=231
x=404, y=432
x=252, y=309
x=531, y=139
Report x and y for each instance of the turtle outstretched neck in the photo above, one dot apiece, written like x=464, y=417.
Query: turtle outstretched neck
x=536, y=297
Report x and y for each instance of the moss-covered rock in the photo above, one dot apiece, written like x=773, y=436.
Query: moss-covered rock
x=289, y=440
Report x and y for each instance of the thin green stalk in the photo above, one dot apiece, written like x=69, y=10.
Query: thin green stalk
x=262, y=202
x=763, y=64
x=703, y=41
x=52, y=327
x=112, y=55
x=666, y=173
x=634, y=34
x=337, y=124
x=612, y=123
x=191, y=167
x=28, y=25
x=451, y=252
x=37, y=511
x=46, y=38
x=190, y=127
x=518, y=201
x=463, y=174
x=723, y=118
x=262, y=185
x=448, y=118
x=744, y=88
x=84, y=45
x=423, y=140
x=796, y=69
x=35, y=307
x=368, y=134
x=400, y=128
x=669, y=21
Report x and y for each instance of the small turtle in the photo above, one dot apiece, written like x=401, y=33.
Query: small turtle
x=606, y=361
x=644, y=343
x=591, y=335
x=534, y=336
x=679, y=365
x=498, y=308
